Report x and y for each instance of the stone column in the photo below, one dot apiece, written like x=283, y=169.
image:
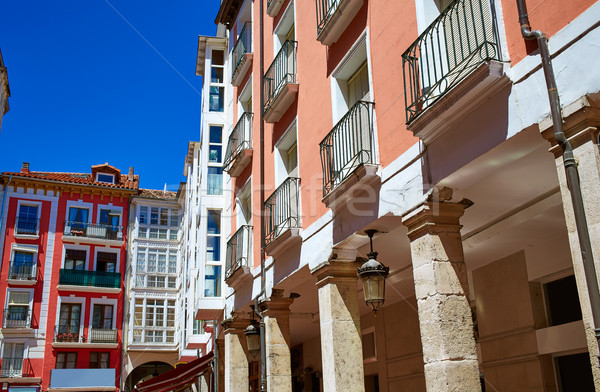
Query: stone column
x=276, y=311
x=441, y=288
x=236, y=361
x=204, y=382
x=220, y=371
x=582, y=123
x=341, y=340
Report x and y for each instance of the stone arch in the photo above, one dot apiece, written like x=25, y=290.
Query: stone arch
x=145, y=371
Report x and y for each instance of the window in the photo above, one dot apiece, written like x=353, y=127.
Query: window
x=174, y=218
x=106, y=262
x=217, y=88
x=156, y=268
x=286, y=156
x=102, y=316
x=213, y=236
x=212, y=281
x=214, y=146
x=78, y=215
x=99, y=360
x=358, y=86
x=66, y=360
x=17, y=313
x=154, y=321
x=12, y=359
x=27, y=219
x=244, y=205
x=75, y=259
x=215, y=181
x=198, y=327
x=143, y=215
x=562, y=301
x=154, y=216
x=104, y=177
x=69, y=322
x=22, y=265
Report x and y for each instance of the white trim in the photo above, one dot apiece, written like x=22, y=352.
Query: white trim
x=70, y=300
x=277, y=43
x=107, y=250
x=32, y=203
x=104, y=301
x=105, y=174
x=109, y=207
x=80, y=204
x=76, y=247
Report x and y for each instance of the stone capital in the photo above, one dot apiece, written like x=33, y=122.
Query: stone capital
x=434, y=218
x=276, y=304
x=235, y=325
x=337, y=272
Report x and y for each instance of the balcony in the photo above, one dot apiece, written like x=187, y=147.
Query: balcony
x=17, y=317
x=333, y=17
x=348, y=155
x=282, y=216
x=22, y=272
x=103, y=335
x=67, y=336
x=16, y=368
x=97, y=281
x=237, y=264
x=273, y=7
x=93, y=232
x=27, y=226
x=239, y=147
x=455, y=60
x=241, y=55
x=279, y=83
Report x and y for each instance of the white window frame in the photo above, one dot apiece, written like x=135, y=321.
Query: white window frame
x=285, y=142
x=103, y=301
x=26, y=202
x=22, y=290
x=105, y=174
x=76, y=247
x=70, y=300
x=25, y=248
x=107, y=250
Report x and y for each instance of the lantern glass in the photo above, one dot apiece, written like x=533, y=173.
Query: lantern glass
x=374, y=289
x=253, y=343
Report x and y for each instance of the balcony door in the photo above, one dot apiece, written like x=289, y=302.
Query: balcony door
x=78, y=218
x=12, y=359
x=27, y=219
x=22, y=266
x=111, y=220
x=106, y=262
x=75, y=259
x=69, y=320
x=18, y=309
x=102, y=317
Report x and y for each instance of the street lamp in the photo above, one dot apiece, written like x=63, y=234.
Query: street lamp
x=373, y=274
x=253, y=336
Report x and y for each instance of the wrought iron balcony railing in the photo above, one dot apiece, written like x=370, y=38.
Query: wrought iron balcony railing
x=17, y=317
x=22, y=271
x=281, y=72
x=26, y=225
x=93, y=230
x=68, y=334
x=348, y=145
x=89, y=278
x=238, y=250
x=325, y=9
x=16, y=367
x=282, y=210
x=239, y=140
x=458, y=41
x=242, y=46
x=102, y=335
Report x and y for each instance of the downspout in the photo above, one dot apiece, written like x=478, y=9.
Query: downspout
x=263, y=343
x=570, y=165
x=215, y=374
x=2, y=211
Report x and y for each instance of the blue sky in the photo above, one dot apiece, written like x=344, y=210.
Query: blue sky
x=86, y=88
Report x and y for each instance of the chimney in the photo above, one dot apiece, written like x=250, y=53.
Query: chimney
x=130, y=177
x=25, y=168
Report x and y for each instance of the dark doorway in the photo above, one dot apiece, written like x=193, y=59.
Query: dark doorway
x=574, y=373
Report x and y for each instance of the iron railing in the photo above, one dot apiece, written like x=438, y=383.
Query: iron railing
x=348, y=145
x=16, y=367
x=239, y=140
x=102, y=335
x=22, y=271
x=325, y=9
x=238, y=250
x=458, y=41
x=89, y=278
x=93, y=230
x=242, y=46
x=68, y=334
x=26, y=225
x=282, y=210
x=281, y=72
x=17, y=317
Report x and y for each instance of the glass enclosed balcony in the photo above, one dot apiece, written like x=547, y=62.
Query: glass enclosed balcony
x=239, y=146
x=241, y=55
x=348, y=145
x=279, y=83
x=73, y=277
x=238, y=250
x=282, y=210
x=460, y=39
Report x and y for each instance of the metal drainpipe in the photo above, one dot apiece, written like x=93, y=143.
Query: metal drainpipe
x=216, y=333
x=263, y=343
x=570, y=165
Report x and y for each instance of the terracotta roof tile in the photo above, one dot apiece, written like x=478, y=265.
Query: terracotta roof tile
x=78, y=178
x=157, y=194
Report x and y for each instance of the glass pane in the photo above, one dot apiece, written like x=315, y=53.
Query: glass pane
x=78, y=214
x=215, y=135
x=215, y=99
x=214, y=154
x=213, y=249
x=215, y=181
x=154, y=216
x=216, y=75
x=212, y=281
x=218, y=57
x=143, y=215
x=214, y=222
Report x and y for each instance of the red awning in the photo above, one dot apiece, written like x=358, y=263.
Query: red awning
x=176, y=378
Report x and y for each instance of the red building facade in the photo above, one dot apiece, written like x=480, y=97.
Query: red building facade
x=63, y=266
